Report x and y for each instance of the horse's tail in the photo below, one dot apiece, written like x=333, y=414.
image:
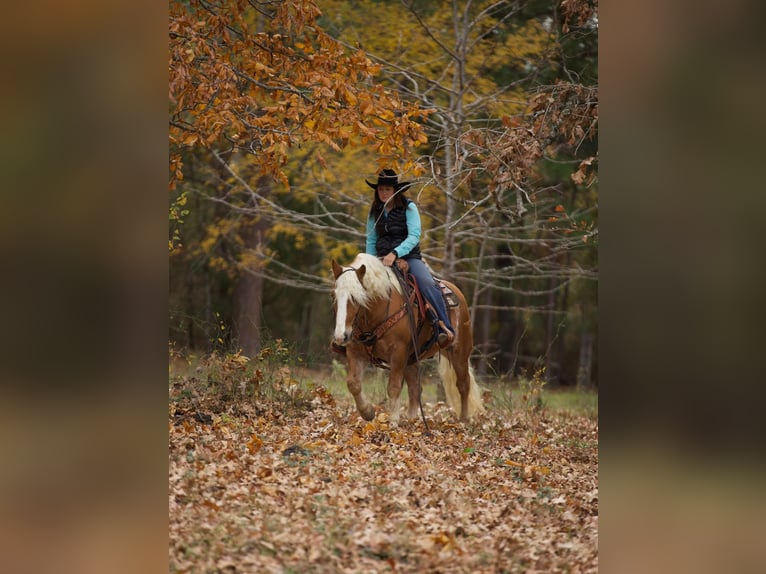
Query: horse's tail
x=449, y=381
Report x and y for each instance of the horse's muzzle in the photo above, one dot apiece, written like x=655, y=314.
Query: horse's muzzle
x=342, y=339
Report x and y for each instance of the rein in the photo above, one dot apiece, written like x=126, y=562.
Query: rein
x=369, y=338
x=408, y=303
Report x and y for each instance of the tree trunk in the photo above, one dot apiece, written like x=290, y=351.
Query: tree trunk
x=507, y=319
x=304, y=329
x=248, y=302
x=561, y=354
x=481, y=334
x=248, y=290
x=586, y=360
x=550, y=376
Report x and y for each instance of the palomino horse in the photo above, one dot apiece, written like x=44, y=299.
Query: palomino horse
x=370, y=321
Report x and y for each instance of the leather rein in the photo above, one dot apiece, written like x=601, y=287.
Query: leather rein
x=369, y=338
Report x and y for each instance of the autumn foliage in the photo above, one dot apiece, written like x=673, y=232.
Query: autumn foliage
x=561, y=116
x=490, y=108
x=281, y=475
x=262, y=77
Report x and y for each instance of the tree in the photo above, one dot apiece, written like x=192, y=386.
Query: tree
x=262, y=79
x=511, y=188
x=505, y=161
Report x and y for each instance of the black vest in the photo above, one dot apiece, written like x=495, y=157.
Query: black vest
x=392, y=230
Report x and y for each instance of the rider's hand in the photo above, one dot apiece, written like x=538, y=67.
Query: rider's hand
x=389, y=259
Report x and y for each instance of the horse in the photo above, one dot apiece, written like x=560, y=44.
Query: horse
x=371, y=320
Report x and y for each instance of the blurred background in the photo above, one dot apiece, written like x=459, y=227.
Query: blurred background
x=93, y=291
x=503, y=168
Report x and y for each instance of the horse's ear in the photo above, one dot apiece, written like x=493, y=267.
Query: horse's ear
x=360, y=273
x=336, y=269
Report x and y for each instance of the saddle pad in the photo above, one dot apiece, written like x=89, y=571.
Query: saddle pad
x=449, y=295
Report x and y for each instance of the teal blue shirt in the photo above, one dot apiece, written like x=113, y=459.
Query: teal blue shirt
x=413, y=232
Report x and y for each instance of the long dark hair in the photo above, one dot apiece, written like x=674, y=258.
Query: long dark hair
x=398, y=199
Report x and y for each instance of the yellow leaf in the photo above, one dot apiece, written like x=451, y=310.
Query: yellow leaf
x=190, y=139
x=255, y=444
x=369, y=427
x=263, y=68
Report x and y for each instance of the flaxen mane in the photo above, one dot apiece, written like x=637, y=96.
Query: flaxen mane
x=378, y=281
x=372, y=327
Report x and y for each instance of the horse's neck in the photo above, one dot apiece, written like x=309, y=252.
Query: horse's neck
x=382, y=308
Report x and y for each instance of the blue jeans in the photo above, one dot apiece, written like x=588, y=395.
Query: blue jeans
x=430, y=289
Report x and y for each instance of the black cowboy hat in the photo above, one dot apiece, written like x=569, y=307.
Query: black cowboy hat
x=389, y=177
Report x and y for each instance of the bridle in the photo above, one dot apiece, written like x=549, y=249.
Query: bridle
x=346, y=270
x=369, y=338
x=356, y=316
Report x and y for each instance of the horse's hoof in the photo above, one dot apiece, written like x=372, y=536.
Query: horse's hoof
x=368, y=414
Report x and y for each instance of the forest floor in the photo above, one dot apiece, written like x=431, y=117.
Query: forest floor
x=269, y=473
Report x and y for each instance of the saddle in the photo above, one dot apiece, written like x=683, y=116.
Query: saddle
x=425, y=312
x=413, y=303
x=411, y=285
x=449, y=295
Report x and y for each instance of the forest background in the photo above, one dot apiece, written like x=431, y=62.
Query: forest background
x=279, y=112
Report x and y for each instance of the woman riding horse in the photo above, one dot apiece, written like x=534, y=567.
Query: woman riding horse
x=370, y=320
x=393, y=232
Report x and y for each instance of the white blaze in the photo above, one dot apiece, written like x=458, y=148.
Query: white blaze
x=340, y=318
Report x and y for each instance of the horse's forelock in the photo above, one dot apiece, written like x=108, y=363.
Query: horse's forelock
x=378, y=280
x=348, y=283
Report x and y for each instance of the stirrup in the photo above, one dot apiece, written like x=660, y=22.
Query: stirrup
x=446, y=337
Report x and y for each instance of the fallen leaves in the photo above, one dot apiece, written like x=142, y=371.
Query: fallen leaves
x=322, y=490
x=254, y=444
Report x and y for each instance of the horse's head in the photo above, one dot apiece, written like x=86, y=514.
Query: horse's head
x=350, y=296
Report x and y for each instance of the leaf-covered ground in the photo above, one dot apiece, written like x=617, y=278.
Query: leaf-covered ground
x=300, y=483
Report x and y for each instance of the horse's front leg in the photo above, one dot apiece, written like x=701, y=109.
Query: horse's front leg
x=395, y=391
x=413, y=390
x=354, y=383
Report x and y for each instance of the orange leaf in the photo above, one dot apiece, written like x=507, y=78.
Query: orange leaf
x=255, y=444
x=190, y=139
